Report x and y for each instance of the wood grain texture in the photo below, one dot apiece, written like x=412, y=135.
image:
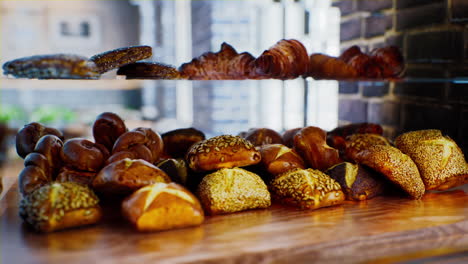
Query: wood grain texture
x=384, y=229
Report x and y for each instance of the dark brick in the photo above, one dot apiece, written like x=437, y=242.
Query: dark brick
x=438, y=47
x=401, y=4
x=396, y=40
x=352, y=110
x=420, y=16
x=459, y=11
x=458, y=92
x=348, y=88
x=417, y=117
x=384, y=113
x=374, y=5
x=351, y=29
x=377, y=24
x=374, y=89
x=346, y=6
x=430, y=90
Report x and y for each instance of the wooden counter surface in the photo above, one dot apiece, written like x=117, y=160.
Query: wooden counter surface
x=381, y=230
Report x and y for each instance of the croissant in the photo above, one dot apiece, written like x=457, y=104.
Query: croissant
x=287, y=59
x=322, y=66
x=390, y=61
x=225, y=64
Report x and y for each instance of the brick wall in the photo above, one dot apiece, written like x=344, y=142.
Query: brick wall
x=433, y=36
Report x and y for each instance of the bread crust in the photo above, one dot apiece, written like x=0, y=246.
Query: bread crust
x=113, y=59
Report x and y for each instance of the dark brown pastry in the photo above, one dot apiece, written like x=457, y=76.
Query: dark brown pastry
x=440, y=161
x=287, y=59
x=177, y=142
x=358, y=142
x=113, y=59
x=176, y=169
x=67, y=174
x=278, y=159
x=225, y=64
x=149, y=70
x=357, y=182
x=50, y=146
x=107, y=128
x=84, y=155
x=162, y=206
x=288, y=136
x=224, y=151
x=28, y=136
x=32, y=178
x=134, y=152
x=126, y=176
x=54, y=66
x=306, y=189
x=395, y=166
x=41, y=161
x=311, y=144
x=327, y=67
x=59, y=206
x=366, y=66
x=232, y=190
x=337, y=137
x=263, y=136
x=390, y=61
x=349, y=53
x=140, y=136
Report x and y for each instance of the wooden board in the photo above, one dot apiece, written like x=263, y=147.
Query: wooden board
x=384, y=229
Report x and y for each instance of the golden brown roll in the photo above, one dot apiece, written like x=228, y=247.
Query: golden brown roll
x=224, y=151
x=162, y=206
x=83, y=154
x=113, y=59
x=28, y=136
x=263, y=136
x=395, y=166
x=311, y=144
x=232, y=190
x=358, y=142
x=337, y=137
x=277, y=159
x=67, y=174
x=440, y=161
x=59, y=206
x=107, y=128
x=125, y=176
x=149, y=70
x=52, y=66
x=357, y=182
x=140, y=136
x=177, y=142
x=306, y=189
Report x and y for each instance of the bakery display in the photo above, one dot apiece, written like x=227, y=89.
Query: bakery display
x=439, y=159
x=306, y=189
x=177, y=142
x=263, y=136
x=59, y=206
x=219, y=152
x=28, y=136
x=149, y=70
x=396, y=166
x=311, y=144
x=107, y=128
x=162, y=206
x=113, y=59
x=357, y=182
x=278, y=159
x=52, y=66
x=232, y=190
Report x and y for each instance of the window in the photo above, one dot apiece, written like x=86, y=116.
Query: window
x=69, y=30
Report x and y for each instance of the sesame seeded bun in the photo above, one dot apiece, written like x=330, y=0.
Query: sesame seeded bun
x=440, y=161
x=222, y=152
x=232, y=190
x=306, y=189
x=394, y=165
x=357, y=142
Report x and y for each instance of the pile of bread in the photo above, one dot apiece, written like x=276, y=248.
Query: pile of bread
x=287, y=59
x=172, y=180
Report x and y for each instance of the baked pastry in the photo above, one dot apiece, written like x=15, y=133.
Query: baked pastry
x=358, y=142
x=349, y=53
x=357, y=182
x=32, y=178
x=41, y=161
x=263, y=136
x=226, y=64
x=311, y=144
x=84, y=155
x=67, y=174
x=177, y=142
x=322, y=66
x=28, y=136
x=278, y=159
x=395, y=166
x=287, y=59
x=390, y=61
x=440, y=161
x=149, y=70
x=50, y=147
x=140, y=136
x=366, y=66
x=113, y=59
x=54, y=66
x=232, y=190
x=126, y=176
x=337, y=137
x=59, y=206
x=306, y=189
x=162, y=206
x=176, y=169
x=107, y=128
x=224, y=151
x=133, y=152
x=288, y=136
